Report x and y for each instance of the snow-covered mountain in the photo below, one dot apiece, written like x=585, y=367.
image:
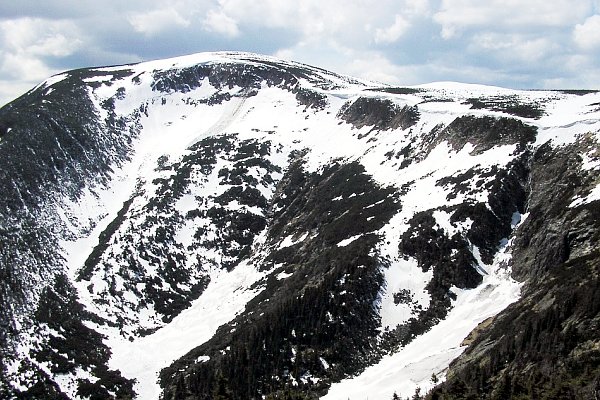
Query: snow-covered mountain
x=229, y=225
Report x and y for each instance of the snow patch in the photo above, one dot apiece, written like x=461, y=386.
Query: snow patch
x=98, y=78
x=52, y=80
x=283, y=275
x=224, y=298
x=346, y=242
x=291, y=240
x=403, y=276
x=594, y=195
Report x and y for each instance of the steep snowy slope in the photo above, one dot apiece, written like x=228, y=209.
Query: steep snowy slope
x=247, y=227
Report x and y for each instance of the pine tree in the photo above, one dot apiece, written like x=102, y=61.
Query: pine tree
x=221, y=390
x=417, y=395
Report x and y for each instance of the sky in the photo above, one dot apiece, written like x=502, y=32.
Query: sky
x=523, y=44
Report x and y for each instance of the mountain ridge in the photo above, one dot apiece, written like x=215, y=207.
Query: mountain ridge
x=358, y=218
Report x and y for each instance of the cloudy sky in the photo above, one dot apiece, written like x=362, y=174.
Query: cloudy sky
x=510, y=43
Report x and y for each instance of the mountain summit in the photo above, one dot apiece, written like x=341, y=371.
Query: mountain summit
x=234, y=226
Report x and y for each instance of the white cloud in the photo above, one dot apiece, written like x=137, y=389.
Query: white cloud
x=579, y=72
x=11, y=89
x=533, y=50
x=316, y=20
x=587, y=35
x=26, y=42
x=504, y=42
x=25, y=67
x=513, y=47
x=221, y=23
x=268, y=13
x=375, y=67
x=455, y=16
x=156, y=21
x=369, y=65
x=285, y=54
x=417, y=7
x=394, y=32
x=40, y=37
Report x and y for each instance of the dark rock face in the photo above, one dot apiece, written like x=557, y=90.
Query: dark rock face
x=507, y=196
x=552, y=350
x=556, y=232
x=451, y=258
x=323, y=311
x=487, y=132
x=508, y=104
x=381, y=114
x=311, y=98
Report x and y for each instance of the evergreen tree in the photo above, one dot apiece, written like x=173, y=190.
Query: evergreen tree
x=221, y=390
x=417, y=395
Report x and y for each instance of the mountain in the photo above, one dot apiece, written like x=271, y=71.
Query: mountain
x=234, y=226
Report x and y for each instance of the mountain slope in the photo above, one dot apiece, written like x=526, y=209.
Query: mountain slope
x=246, y=227
x=553, y=349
